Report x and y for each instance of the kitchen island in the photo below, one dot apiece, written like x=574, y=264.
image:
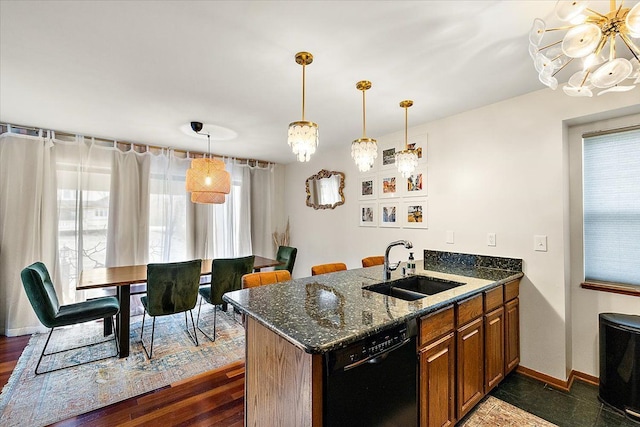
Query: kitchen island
x=290, y=327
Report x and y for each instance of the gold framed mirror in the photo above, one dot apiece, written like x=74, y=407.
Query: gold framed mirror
x=325, y=189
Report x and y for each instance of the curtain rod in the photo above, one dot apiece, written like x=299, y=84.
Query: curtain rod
x=144, y=147
x=610, y=131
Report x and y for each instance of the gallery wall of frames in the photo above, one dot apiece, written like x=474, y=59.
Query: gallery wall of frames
x=386, y=198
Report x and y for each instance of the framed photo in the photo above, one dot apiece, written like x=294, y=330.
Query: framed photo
x=367, y=189
x=368, y=214
x=389, y=185
x=416, y=183
x=419, y=143
x=387, y=154
x=414, y=213
x=389, y=215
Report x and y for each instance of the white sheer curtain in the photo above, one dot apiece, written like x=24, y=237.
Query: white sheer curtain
x=263, y=210
x=28, y=225
x=128, y=230
x=168, y=226
x=243, y=224
x=84, y=175
x=232, y=220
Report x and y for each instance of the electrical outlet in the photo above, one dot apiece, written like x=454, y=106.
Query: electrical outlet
x=540, y=243
x=491, y=239
x=449, y=237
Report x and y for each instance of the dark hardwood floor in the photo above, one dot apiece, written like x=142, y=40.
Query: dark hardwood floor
x=212, y=398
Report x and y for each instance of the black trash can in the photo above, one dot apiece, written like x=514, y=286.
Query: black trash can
x=620, y=362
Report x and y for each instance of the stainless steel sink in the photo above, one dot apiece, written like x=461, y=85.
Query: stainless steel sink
x=413, y=287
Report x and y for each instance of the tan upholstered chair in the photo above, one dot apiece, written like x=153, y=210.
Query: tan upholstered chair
x=265, y=278
x=328, y=268
x=370, y=261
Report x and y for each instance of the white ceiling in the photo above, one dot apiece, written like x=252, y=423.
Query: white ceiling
x=138, y=70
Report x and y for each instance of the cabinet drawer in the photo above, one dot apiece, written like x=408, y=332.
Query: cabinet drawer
x=435, y=325
x=469, y=309
x=492, y=299
x=511, y=290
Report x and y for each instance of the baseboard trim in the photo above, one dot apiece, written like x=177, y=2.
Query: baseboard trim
x=555, y=382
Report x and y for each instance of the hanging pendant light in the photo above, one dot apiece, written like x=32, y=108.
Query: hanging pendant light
x=407, y=159
x=364, y=150
x=207, y=180
x=303, y=135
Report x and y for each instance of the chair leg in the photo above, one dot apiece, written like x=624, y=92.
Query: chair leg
x=43, y=349
x=115, y=334
x=108, y=326
x=193, y=337
x=153, y=330
x=70, y=349
x=214, y=322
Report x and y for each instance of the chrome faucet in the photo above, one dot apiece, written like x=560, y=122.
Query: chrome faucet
x=388, y=268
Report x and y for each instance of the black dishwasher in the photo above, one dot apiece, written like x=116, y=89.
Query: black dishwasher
x=373, y=381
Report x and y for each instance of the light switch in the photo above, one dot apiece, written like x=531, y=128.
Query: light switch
x=449, y=237
x=540, y=243
x=491, y=239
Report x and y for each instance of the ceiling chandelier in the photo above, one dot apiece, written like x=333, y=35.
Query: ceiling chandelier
x=364, y=150
x=303, y=135
x=407, y=159
x=592, y=37
x=207, y=180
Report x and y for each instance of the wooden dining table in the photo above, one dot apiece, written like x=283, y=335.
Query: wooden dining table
x=123, y=277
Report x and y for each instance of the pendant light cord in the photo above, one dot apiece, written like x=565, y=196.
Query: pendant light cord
x=364, y=116
x=303, y=85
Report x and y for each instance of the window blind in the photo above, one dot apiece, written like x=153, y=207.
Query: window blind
x=611, y=207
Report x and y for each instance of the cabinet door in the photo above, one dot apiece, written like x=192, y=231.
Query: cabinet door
x=437, y=373
x=494, y=348
x=470, y=347
x=512, y=335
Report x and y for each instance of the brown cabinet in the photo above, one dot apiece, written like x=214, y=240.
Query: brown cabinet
x=466, y=349
x=470, y=373
x=494, y=348
x=511, y=325
x=437, y=368
x=437, y=384
x=512, y=335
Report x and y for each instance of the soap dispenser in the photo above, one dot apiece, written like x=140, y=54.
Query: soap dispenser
x=411, y=264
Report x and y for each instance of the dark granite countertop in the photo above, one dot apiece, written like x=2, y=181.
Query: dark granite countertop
x=328, y=311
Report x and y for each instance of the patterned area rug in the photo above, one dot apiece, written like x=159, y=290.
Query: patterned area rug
x=493, y=412
x=39, y=400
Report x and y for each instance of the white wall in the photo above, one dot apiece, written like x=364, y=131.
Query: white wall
x=502, y=168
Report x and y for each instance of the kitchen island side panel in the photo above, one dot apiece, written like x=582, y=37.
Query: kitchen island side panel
x=283, y=383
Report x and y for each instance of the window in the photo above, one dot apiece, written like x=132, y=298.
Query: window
x=611, y=207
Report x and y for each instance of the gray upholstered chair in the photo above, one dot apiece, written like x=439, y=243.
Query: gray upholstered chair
x=42, y=296
x=226, y=276
x=171, y=288
x=287, y=256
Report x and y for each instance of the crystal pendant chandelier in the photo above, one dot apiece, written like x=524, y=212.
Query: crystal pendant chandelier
x=364, y=151
x=593, y=37
x=303, y=135
x=407, y=159
x=207, y=180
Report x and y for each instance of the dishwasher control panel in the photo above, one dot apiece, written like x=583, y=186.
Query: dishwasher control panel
x=366, y=349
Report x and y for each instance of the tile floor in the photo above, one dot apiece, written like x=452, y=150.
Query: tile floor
x=578, y=408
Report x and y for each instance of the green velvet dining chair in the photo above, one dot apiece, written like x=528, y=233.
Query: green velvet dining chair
x=226, y=276
x=171, y=288
x=44, y=300
x=287, y=256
